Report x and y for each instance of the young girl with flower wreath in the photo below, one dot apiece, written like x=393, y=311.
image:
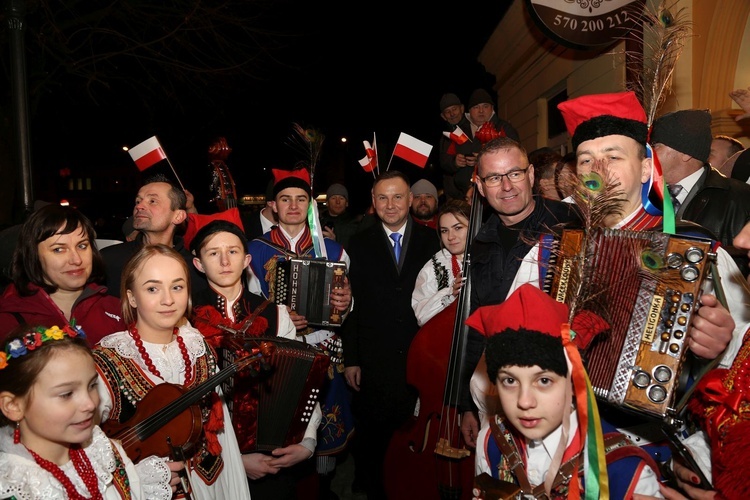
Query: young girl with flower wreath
x=50, y=446
x=161, y=346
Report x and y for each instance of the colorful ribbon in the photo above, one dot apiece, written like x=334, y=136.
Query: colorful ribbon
x=596, y=480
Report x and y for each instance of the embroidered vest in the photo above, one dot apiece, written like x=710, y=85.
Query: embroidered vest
x=130, y=385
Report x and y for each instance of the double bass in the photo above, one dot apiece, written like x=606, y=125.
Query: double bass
x=427, y=457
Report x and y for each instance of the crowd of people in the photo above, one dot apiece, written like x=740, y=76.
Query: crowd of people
x=114, y=377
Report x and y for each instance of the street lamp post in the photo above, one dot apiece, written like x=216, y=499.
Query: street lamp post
x=16, y=11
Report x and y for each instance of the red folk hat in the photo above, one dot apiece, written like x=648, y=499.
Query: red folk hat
x=195, y=222
x=529, y=308
x=283, y=179
x=598, y=115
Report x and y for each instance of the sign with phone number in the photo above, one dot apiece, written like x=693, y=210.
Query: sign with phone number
x=586, y=24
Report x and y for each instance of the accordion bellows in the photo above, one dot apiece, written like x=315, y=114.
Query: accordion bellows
x=273, y=410
x=647, y=285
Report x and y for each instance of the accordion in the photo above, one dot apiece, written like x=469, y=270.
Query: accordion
x=647, y=285
x=273, y=409
x=305, y=286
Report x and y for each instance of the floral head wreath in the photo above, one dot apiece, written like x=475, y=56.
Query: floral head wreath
x=35, y=338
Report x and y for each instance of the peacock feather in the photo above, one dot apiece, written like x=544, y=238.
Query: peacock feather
x=665, y=30
x=308, y=143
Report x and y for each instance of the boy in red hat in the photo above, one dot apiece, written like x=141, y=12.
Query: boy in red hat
x=294, y=238
x=546, y=428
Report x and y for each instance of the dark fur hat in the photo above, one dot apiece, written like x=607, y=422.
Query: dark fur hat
x=687, y=131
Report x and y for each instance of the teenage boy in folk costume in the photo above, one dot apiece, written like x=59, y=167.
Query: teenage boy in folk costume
x=546, y=428
x=220, y=249
x=292, y=238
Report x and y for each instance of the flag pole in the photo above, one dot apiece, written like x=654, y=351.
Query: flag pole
x=175, y=174
x=377, y=160
x=170, y=165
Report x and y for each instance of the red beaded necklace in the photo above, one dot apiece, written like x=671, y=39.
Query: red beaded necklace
x=150, y=364
x=82, y=464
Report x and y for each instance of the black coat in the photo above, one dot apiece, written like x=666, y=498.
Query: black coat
x=380, y=328
x=720, y=205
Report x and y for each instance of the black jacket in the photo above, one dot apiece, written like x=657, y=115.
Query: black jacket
x=493, y=268
x=720, y=205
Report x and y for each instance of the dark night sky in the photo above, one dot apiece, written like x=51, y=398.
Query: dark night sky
x=349, y=74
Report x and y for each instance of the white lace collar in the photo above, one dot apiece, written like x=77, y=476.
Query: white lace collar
x=167, y=358
x=20, y=476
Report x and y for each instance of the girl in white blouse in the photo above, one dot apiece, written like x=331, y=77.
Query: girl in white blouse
x=440, y=280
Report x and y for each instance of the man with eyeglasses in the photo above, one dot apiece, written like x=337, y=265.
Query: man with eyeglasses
x=505, y=240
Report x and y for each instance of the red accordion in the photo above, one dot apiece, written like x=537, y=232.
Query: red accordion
x=272, y=410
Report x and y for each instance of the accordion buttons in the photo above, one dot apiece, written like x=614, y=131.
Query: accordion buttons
x=657, y=394
x=662, y=374
x=694, y=255
x=689, y=273
x=641, y=379
x=674, y=260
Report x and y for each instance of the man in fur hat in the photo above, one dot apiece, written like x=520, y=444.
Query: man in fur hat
x=609, y=131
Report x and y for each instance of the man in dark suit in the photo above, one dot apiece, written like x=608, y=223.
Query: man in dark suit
x=682, y=142
x=385, y=261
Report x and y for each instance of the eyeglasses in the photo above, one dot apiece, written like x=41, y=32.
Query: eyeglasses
x=513, y=176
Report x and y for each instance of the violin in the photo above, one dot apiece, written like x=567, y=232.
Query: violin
x=427, y=457
x=222, y=183
x=169, y=415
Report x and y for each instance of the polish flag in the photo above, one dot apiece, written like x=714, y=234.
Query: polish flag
x=412, y=150
x=370, y=161
x=458, y=136
x=147, y=153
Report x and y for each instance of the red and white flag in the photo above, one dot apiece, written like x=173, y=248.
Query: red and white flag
x=147, y=153
x=458, y=136
x=412, y=150
x=370, y=161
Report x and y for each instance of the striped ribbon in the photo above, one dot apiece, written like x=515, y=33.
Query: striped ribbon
x=596, y=481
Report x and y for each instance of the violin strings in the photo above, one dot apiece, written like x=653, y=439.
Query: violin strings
x=168, y=412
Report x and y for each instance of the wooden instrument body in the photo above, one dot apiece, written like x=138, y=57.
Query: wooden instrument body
x=184, y=429
x=412, y=450
x=222, y=183
x=639, y=364
x=169, y=416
